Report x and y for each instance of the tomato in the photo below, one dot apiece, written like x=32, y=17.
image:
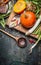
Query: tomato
x=28, y=19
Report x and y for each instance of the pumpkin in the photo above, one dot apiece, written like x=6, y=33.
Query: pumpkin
x=19, y=6
x=28, y=19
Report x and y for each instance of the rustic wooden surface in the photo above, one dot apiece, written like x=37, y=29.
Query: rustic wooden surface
x=19, y=27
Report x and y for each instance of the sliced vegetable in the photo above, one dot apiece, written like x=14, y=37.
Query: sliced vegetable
x=19, y=6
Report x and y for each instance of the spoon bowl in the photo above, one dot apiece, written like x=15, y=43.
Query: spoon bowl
x=22, y=42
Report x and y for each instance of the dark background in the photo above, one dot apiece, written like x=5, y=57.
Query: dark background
x=11, y=54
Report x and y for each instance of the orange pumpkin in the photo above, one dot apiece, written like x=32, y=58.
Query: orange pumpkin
x=28, y=19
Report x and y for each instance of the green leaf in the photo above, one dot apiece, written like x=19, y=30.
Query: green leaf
x=2, y=22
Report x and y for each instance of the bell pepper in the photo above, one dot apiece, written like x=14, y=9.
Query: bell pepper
x=19, y=6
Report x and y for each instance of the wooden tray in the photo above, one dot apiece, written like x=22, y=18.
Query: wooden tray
x=19, y=27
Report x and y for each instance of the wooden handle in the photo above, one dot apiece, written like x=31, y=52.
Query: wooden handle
x=12, y=36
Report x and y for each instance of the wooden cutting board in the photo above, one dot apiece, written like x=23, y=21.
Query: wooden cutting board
x=19, y=27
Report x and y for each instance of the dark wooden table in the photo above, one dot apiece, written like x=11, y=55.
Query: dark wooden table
x=11, y=54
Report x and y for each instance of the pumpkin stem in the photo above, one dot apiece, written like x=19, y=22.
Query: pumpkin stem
x=26, y=15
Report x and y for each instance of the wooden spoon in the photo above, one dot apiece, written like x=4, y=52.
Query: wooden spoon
x=21, y=42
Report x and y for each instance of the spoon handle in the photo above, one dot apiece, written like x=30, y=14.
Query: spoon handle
x=10, y=35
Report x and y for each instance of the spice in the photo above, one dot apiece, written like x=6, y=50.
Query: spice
x=31, y=40
x=22, y=42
